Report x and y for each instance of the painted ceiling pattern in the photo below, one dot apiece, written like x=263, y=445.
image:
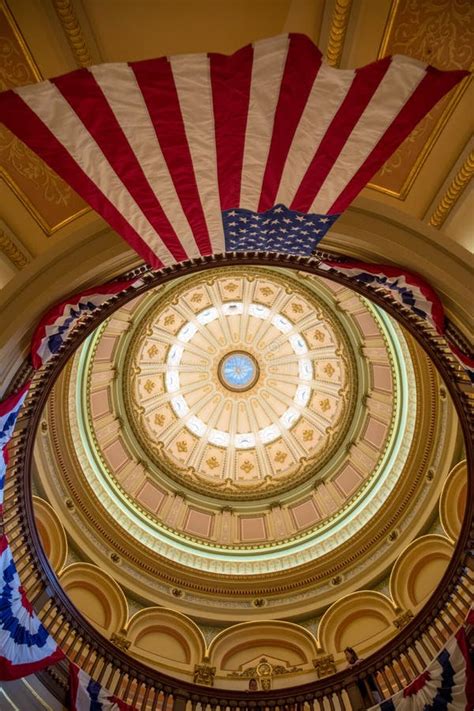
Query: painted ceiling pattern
x=210, y=541
x=240, y=383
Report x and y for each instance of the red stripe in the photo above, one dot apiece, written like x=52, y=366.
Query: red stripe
x=301, y=68
x=73, y=685
x=11, y=401
x=230, y=81
x=434, y=85
x=25, y=124
x=3, y=544
x=84, y=95
x=156, y=82
x=364, y=85
x=10, y=671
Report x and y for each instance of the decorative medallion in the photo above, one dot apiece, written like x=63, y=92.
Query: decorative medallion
x=238, y=371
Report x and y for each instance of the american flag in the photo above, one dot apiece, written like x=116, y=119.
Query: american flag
x=177, y=153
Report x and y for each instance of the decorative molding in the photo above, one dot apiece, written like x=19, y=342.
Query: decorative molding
x=204, y=674
x=324, y=665
x=403, y=619
x=453, y=193
x=73, y=31
x=433, y=33
x=120, y=641
x=337, y=32
x=11, y=251
x=41, y=192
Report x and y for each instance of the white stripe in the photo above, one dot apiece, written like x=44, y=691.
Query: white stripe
x=327, y=94
x=193, y=84
x=396, y=87
x=269, y=58
x=120, y=87
x=51, y=107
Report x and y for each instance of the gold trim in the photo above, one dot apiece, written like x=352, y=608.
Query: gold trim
x=388, y=28
x=28, y=205
x=337, y=31
x=453, y=193
x=12, y=252
x=21, y=41
x=22, y=197
x=437, y=128
x=73, y=31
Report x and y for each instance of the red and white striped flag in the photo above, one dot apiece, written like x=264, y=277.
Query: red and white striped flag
x=200, y=154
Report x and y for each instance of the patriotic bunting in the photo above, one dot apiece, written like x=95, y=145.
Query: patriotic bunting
x=446, y=685
x=200, y=154
x=25, y=645
x=9, y=410
x=408, y=289
x=88, y=695
x=58, y=323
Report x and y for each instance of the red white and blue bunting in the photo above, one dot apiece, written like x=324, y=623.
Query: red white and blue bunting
x=25, y=644
x=447, y=684
x=408, y=289
x=58, y=323
x=9, y=409
x=88, y=695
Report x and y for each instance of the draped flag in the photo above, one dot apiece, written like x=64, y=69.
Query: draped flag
x=446, y=685
x=408, y=289
x=200, y=154
x=25, y=644
x=57, y=324
x=9, y=410
x=88, y=695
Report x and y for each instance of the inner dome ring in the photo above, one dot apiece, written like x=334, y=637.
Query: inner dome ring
x=238, y=371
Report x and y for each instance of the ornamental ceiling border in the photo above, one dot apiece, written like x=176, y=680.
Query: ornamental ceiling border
x=133, y=408
x=442, y=112
x=359, y=546
x=21, y=169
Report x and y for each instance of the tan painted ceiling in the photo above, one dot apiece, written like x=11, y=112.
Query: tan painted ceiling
x=426, y=179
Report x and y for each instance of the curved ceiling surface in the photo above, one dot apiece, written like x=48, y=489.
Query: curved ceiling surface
x=239, y=423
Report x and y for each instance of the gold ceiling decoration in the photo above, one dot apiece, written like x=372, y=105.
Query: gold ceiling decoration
x=16, y=256
x=459, y=183
x=337, y=33
x=73, y=31
x=438, y=34
x=51, y=202
x=240, y=383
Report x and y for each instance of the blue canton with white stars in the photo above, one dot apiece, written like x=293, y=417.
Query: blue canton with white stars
x=276, y=230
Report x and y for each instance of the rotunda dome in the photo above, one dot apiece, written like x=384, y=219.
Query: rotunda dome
x=246, y=435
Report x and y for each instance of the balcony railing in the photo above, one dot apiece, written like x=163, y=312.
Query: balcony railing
x=393, y=666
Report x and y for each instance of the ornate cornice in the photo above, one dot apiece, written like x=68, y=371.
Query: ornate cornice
x=337, y=32
x=73, y=31
x=10, y=250
x=453, y=193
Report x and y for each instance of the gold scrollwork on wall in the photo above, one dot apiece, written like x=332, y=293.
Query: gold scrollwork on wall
x=438, y=34
x=50, y=201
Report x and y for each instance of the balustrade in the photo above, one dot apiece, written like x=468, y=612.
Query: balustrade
x=392, y=666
